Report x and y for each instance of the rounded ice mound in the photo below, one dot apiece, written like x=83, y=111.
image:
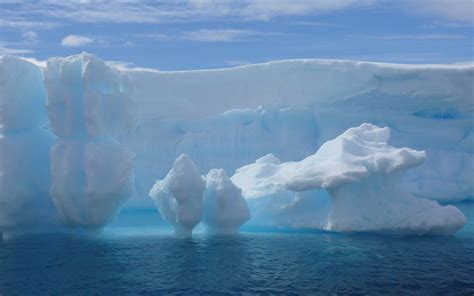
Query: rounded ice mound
x=179, y=196
x=361, y=173
x=225, y=210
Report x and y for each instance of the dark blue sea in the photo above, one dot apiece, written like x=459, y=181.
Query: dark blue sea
x=138, y=256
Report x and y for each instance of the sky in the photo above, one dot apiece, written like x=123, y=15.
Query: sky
x=203, y=34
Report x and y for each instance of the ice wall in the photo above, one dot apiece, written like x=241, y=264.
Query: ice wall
x=25, y=206
x=227, y=140
x=305, y=103
x=88, y=107
x=360, y=172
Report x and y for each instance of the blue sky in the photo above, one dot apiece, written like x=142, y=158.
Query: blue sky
x=197, y=34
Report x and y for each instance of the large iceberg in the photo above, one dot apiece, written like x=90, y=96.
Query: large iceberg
x=25, y=205
x=179, y=196
x=360, y=172
x=92, y=174
x=223, y=118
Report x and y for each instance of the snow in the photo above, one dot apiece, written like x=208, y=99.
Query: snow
x=361, y=174
x=92, y=174
x=225, y=210
x=179, y=196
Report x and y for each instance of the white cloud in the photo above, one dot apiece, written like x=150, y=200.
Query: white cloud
x=218, y=35
x=424, y=37
x=267, y=9
x=457, y=10
x=76, y=41
x=14, y=51
x=143, y=11
x=235, y=63
x=120, y=65
x=23, y=24
x=30, y=36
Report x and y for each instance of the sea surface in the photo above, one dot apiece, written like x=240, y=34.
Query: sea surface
x=137, y=256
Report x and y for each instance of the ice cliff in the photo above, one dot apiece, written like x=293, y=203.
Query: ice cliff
x=360, y=173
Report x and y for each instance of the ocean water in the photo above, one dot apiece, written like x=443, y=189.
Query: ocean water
x=138, y=256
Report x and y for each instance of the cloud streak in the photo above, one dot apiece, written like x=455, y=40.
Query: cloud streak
x=221, y=35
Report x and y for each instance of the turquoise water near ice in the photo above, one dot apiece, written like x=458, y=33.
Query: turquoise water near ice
x=138, y=256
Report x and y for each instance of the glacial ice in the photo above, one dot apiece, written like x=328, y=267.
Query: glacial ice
x=179, y=196
x=92, y=174
x=305, y=103
x=131, y=125
x=360, y=172
x=25, y=206
x=225, y=209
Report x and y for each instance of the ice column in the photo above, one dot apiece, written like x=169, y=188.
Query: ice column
x=88, y=106
x=179, y=196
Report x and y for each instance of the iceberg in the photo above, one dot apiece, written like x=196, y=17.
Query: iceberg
x=25, y=206
x=225, y=209
x=360, y=173
x=179, y=196
x=92, y=173
x=106, y=135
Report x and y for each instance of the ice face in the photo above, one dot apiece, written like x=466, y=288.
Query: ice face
x=91, y=181
x=25, y=206
x=225, y=210
x=92, y=174
x=179, y=196
x=360, y=171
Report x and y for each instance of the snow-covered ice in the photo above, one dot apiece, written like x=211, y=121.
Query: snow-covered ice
x=179, y=196
x=225, y=209
x=361, y=173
